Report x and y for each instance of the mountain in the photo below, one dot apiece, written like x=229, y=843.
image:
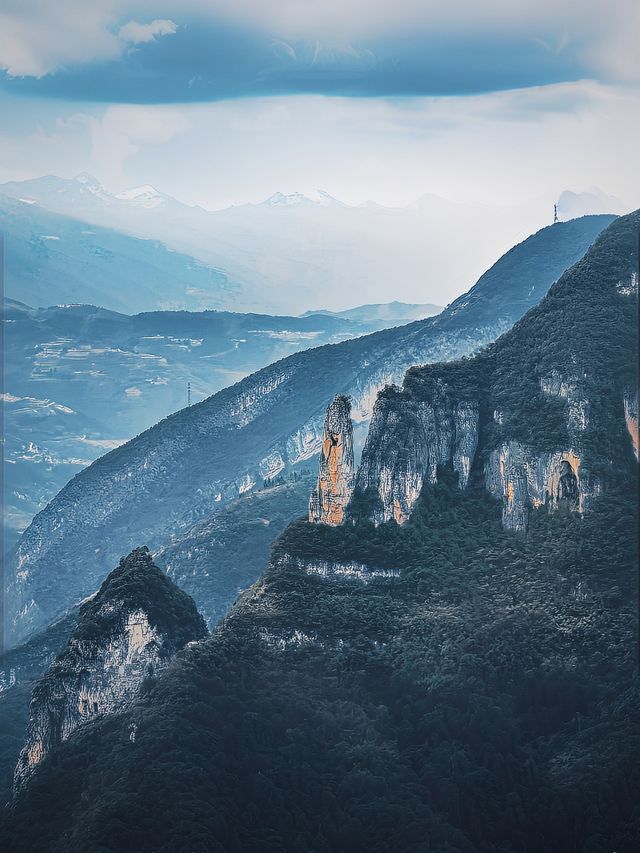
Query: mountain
x=145, y=196
x=169, y=477
x=320, y=198
x=125, y=636
x=80, y=380
x=390, y=313
x=214, y=561
x=223, y=554
x=444, y=681
x=571, y=204
x=52, y=258
x=291, y=251
x=19, y=670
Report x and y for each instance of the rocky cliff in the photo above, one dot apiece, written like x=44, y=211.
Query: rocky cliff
x=336, y=472
x=630, y=402
x=126, y=633
x=408, y=440
x=440, y=683
x=166, y=479
x=536, y=416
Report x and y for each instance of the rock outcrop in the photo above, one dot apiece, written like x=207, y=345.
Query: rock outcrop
x=350, y=571
x=193, y=462
x=336, y=473
x=631, y=418
x=522, y=479
x=126, y=633
x=529, y=414
x=408, y=440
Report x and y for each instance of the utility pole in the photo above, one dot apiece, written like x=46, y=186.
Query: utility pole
x=188, y=393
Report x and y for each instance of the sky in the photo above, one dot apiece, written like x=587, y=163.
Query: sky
x=228, y=101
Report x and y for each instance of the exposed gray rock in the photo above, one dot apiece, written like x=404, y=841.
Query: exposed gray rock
x=408, y=439
x=523, y=479
x=344, y=571
x=119, y=641
x=168, y=478
x=631, y=417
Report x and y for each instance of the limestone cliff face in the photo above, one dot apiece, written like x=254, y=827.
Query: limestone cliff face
x=433, y=422
x=630, y=401
x=408, y=439
x=336, y=473
x=537, y=415
x=121, y=639
x=522, y=479
x=189, y=465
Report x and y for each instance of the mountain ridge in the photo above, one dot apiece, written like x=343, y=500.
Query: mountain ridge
x=125, y=636
x=248, y=432
x=324, y=254
x=479, y=692
x=82, y=262
x=80, y=379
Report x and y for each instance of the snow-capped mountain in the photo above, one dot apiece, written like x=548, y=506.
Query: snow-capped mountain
x=145, y=196
x=296, y=250
x=318, y=198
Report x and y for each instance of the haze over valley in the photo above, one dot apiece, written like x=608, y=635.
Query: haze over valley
x=320, y=426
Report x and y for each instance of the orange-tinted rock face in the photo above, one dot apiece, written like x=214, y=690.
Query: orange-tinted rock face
x=336, y=469
x=522, y=479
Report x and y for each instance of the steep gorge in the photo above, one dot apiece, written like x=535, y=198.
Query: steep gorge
x=173, y=475
x=443, y=683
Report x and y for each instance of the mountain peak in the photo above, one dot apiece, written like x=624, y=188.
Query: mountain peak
x=572, y=205
x=127, y=632
x=336, y=469
x=144, y=196
x=91, y=184
x=318, y=198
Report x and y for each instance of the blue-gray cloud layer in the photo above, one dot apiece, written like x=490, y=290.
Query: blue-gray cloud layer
x=207, y=62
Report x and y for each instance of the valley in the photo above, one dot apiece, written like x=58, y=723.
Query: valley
x=176, y=473
x=81, y=380
x=441, y=670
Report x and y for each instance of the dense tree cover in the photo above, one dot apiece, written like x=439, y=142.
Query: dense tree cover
x=213, y=562
x=223, y=554
x=137, y=584
x=487, y=699
x=14, y=708
x=584, y=329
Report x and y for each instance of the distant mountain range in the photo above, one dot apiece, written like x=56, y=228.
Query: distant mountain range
x=283, y=255
x=55, y=259
x=158, y=485
x=80, y=380
x=572, y=205
x=388, y=313
x=450, y=664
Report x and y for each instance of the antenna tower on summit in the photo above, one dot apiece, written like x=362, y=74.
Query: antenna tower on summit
x=555, y=214
x=188, y=393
